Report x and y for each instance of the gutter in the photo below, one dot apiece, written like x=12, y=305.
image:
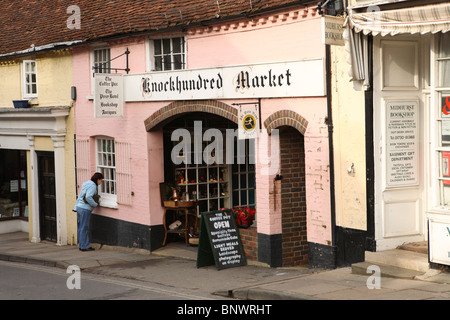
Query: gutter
x=331, y=155
x=46, y=47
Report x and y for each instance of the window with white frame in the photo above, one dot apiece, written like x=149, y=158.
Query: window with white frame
x=29, y=79
x=101, y=61
x=167, y=54
x=106, y=164
x=243, y=177
x=443, y=118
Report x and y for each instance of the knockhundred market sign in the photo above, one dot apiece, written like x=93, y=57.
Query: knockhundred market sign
x=304, y=78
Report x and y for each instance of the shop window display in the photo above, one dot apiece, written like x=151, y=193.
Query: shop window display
x=213, y=185
x=13, y=184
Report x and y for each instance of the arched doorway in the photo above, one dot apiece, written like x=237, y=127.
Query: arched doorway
x=293, y=197
x=214, y=185
x=292, y=186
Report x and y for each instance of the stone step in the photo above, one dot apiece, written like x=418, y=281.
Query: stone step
x=386, y=271
x=421, y=247
x=399, y=258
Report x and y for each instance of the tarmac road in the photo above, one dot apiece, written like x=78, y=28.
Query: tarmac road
x=171, y=273
x=20, y=281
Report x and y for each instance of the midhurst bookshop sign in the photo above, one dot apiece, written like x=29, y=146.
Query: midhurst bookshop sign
x=304, y=78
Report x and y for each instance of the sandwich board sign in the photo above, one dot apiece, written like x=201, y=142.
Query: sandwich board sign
x=219, y=241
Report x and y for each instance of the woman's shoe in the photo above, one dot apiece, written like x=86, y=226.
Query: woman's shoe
x=88, y=249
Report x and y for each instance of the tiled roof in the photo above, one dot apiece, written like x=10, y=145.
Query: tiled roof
x=27, y=22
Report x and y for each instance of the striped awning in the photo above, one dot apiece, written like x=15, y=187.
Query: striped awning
x=424, y=19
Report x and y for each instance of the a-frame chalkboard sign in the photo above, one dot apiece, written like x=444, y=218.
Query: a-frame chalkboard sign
x=219, y=241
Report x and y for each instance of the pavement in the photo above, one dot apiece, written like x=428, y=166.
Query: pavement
x=175, y=266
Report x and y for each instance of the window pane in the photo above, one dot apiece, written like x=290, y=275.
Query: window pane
x=243, y=181
x=444, y=114
x=236, y=199
x=251, y=197
x=167, y=62
x=34, y=89
x=166, y=46
x=444, y=73
x=444, y=160
x=444, y=45
x=157, y=45
x=251, y=180
x=106, y=165
x=177, y=62
x=176, y=42
x=102, y=59
x=445, y=192
x=243, y=197
x=445, y=133
x=158, y=63
x=235, y=181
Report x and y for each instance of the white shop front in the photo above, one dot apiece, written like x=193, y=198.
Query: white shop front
x=402, y=55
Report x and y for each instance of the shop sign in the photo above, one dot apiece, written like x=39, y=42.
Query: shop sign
x=219, y=241
x=439, y=242
x=108, y=99
x=333, y=30
x=14, y=186
x=248, y=123
x=304, y=78
x=402, y=143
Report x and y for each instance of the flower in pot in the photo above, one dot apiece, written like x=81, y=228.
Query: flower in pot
x=244, y=216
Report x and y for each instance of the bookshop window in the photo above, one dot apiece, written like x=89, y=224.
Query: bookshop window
x=443, y=98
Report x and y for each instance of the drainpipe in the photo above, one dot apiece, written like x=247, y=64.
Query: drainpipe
x=331, y=155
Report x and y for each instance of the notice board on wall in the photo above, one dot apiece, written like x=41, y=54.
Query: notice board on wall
x=402, y=143
x=219, y=241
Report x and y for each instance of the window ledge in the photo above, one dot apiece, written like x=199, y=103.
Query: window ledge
x=109, y=205
x=33, y=101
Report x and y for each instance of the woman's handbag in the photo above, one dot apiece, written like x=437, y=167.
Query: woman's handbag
x=96, y=198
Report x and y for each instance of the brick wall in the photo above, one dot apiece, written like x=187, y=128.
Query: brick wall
x=293, y=197
x=249, y=241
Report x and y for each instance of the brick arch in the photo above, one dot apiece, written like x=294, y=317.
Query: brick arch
x=286, y=118
x=180, y=107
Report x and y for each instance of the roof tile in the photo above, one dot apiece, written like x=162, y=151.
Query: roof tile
x=26, y=22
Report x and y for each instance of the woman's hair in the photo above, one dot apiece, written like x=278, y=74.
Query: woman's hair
x=96, y=176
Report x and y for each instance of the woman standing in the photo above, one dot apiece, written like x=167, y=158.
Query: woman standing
x=86, y=202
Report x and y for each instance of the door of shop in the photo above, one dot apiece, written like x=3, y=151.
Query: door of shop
x=47, y=196
x=401, y=104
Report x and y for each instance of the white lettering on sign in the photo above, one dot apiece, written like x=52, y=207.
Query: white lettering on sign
x=221, y=224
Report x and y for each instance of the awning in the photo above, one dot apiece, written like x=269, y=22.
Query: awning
x=423, y=19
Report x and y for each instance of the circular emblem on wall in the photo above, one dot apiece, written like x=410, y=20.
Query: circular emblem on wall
x=249, y=122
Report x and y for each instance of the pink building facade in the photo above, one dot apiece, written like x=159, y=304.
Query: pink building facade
x=274, y=63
